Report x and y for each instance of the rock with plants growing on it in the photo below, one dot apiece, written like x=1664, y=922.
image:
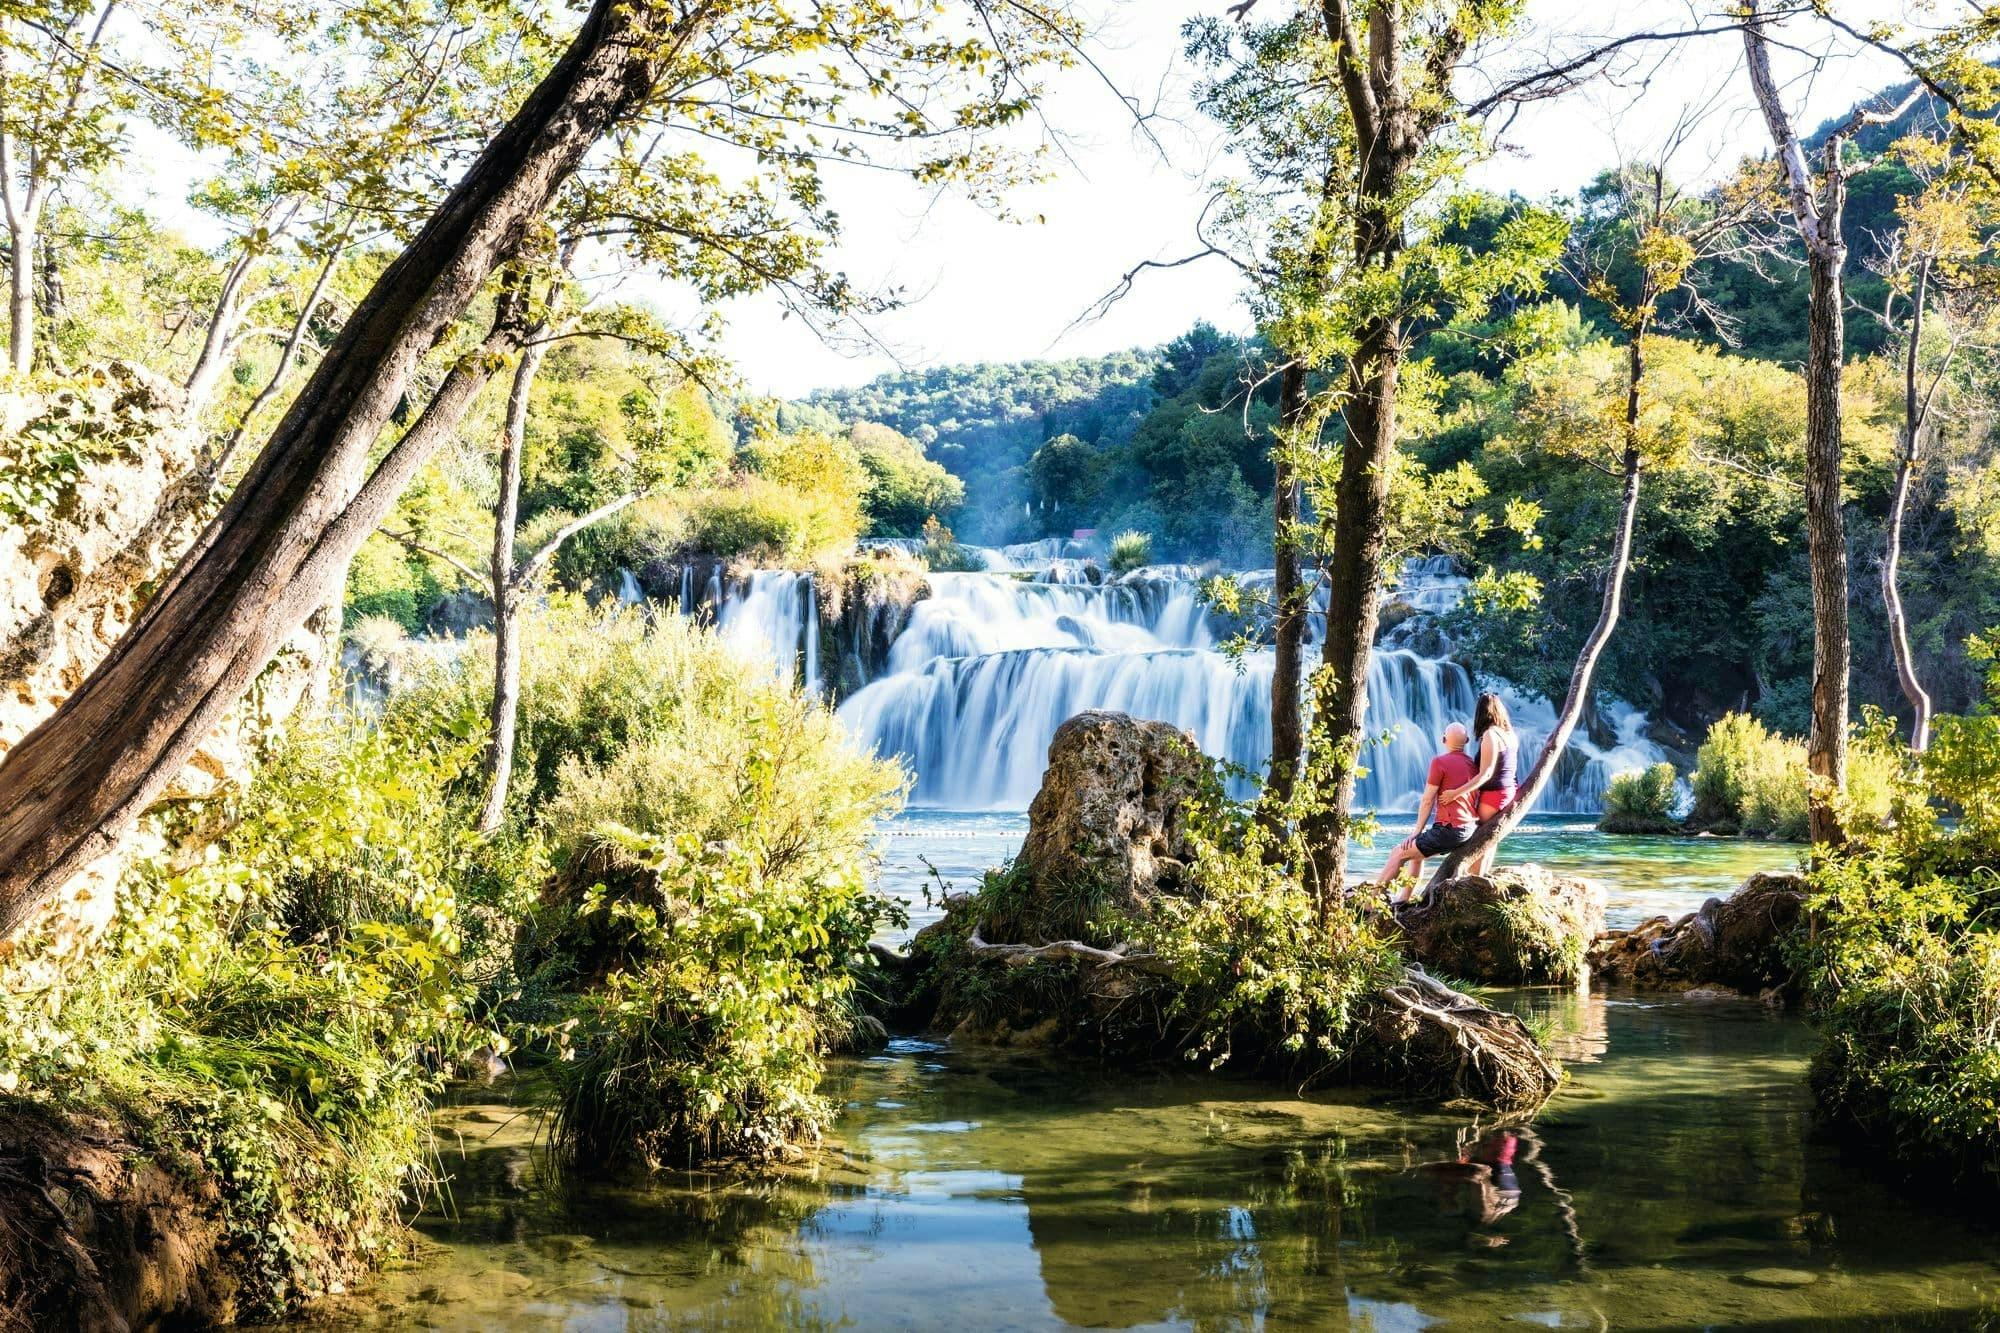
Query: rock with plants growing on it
x=1740, y=942
x=1522, y=926
x=1150, y=917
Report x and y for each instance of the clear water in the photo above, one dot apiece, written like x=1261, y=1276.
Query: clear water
x=1642, y=877
x=1673, y=1183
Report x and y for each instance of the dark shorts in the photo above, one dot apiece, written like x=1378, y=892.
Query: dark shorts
x=1441, y=838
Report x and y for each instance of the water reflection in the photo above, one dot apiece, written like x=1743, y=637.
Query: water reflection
x=1673, y=1183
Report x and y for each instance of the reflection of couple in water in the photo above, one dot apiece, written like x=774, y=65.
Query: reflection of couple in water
x=1481, y=1184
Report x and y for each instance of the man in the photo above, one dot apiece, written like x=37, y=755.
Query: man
x=1456, y=820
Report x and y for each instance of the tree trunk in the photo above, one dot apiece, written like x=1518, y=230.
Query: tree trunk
x=1577, y=697
x=1352, y=570
x=506, y=625
x=1817, y=205
x=74, y=784
x=21, y=296
x=1826, y=536
x=1899, y=504
x=1287, y=706
x=287, y=358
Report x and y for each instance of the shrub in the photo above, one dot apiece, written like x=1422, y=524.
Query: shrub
x=386, y=581
x=709, y=1044
x=1641, y=802
x=278, y=1015
x=755, y=516
x=943, y=554
x=1129, y=551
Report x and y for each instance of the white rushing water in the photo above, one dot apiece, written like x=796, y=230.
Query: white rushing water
x=990, y=664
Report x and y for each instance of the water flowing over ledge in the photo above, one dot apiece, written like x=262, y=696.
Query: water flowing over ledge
x=988, y=665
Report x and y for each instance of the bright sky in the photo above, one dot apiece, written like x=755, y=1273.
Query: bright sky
x=983, y=289
x=978, y=288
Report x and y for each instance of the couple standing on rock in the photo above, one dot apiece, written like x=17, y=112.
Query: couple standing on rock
x=1459, y=792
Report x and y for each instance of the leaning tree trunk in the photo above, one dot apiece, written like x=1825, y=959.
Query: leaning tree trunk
x=75, y=783
x=1899, y=505
x=1289, y=624
x=1353, y=574
x=505, y=708
x=1577, y=697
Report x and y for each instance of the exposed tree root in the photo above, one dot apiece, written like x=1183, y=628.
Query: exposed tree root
x=1433, y=1039
x=1020, y=955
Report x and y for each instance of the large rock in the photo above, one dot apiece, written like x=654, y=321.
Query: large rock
x=1523, y=926
x=78, y=569
x=1738, y=942
x=1030, y=960
x=1108, y=815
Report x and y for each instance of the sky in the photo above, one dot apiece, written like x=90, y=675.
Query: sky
x=982, y=289
x=975, y=287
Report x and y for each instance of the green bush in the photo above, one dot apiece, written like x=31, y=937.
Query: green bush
x=1641, y=802
x=278, y=1016
x=1753, y=781
x=943, y=554
x=385, y=580
x=756, y=516
x=1129, y=551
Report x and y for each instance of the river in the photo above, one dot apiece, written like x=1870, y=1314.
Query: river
x=1674, y=1182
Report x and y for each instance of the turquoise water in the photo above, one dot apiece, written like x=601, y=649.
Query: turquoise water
x=1674, y=1182
x=1642, y=877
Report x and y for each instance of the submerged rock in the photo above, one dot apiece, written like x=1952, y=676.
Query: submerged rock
x=1522, y=926
x=1737, y=942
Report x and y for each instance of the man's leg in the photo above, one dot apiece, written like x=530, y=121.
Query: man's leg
x=1404, y=851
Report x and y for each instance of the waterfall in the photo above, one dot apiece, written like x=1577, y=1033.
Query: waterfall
x=772, y=617
x=991, y=664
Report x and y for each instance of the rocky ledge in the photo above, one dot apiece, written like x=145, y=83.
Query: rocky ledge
x=1737, y=943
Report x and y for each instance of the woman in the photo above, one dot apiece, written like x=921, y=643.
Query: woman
x=1499, y=747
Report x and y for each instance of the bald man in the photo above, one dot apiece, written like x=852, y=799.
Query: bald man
x=1456, y=820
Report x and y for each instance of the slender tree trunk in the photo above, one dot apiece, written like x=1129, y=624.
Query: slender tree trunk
x=1291, y=612
x=1817, y=206
x=1826, y=539
x=75, y=783
x=23, y=241
x=505, y=707
x=287, y=358
x=218, y=344
x=1577, y=697
x=1899, y=504
x=1352, y=570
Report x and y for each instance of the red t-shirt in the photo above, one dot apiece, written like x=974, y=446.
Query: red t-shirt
x=1454, y=768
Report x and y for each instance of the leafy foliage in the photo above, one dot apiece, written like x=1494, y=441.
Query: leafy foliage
x=1641, y=802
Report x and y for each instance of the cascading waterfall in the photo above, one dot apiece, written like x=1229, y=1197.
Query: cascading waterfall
x=772, y=617
x=991, y=664
x=988, y=665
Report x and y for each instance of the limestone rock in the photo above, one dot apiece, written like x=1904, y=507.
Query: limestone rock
x=1523, y=926
x=1737, y=942
x=1108, y=812
x=77, y=570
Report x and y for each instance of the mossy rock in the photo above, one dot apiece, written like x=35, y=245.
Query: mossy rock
x=1739, y=942
x=1522, y=926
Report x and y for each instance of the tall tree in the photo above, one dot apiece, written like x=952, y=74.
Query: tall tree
x=1940, y=286
x=782, y=84
x=1640, y=242
x=1347, y=116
